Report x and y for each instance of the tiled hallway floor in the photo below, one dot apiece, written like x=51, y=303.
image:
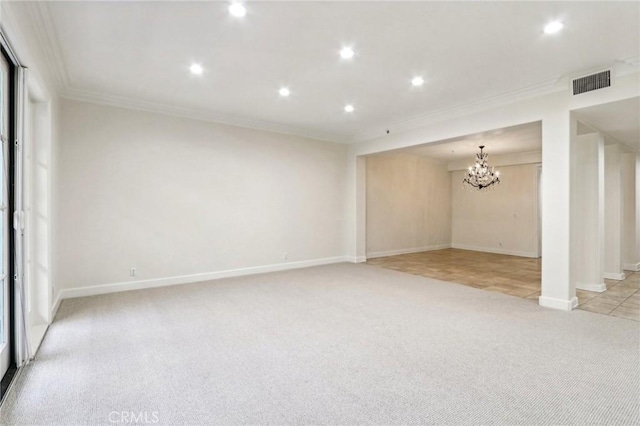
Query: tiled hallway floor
x=621, y=299
x=513, y=275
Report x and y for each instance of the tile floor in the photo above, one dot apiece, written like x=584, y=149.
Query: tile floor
x=621, y=299
x=513, y=275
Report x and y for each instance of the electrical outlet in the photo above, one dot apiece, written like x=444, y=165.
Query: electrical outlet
x=132, y=272
x=285, y=256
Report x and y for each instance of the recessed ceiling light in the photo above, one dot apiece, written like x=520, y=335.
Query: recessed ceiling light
x=237, y=9
x=417, y=81
x=347, y=53
x=348, y=108
x=553, y=27
x=196, y=69
x=284, y=91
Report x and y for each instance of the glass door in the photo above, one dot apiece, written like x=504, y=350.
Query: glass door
x=5, y=330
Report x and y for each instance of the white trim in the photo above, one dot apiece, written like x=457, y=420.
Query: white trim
x=357, y=259
x=55, y=307
x=615, y=276
x=375, y=254
x=635, y=267
x=36, y=335
x=592, y=287
x=47, y=36
x=563, y=305
x=187, y=279
x=196, y=114
x=495, y=250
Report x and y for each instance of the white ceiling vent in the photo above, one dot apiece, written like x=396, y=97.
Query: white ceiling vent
x=592, y=82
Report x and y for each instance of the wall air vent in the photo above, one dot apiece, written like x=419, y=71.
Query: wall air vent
x=592, y=82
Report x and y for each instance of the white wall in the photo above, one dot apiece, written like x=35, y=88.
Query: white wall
x=501, y=220
x=174, y=197
x=408, y=205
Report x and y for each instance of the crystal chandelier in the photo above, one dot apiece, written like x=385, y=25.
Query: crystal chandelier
x=481, y=176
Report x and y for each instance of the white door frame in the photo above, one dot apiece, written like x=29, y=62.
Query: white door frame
x=5, y=346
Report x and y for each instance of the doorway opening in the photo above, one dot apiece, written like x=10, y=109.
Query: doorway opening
x=422, y=219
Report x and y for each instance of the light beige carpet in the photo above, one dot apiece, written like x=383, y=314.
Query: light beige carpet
x=338, y=344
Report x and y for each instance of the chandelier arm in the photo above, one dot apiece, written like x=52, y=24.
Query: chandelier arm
x=481, y=176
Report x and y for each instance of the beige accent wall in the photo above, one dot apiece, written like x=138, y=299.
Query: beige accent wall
x=408, y=204
x=501, y=220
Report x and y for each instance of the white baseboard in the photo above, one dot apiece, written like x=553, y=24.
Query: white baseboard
x=186, y=279
x=615, y=276
x=356, y=259
x=375, y=254
x=495, y=250
x=561, y=304
x=635, y=267
x=36, y=334
x=56, y=305
x=592, y=287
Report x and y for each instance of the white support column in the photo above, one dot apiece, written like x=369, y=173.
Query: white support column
x=631, y=214
x=558, y=292
x=587, y=213
x=613, y=212
x=356, y=210
x=361, y=209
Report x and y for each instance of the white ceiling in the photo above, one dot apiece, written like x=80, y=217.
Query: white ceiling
x=140, y=52
x=509, y=140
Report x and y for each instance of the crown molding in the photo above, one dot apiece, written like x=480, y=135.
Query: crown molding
x=633, y=62
x=47, y=37
x=196, y=114
x=477, y=105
